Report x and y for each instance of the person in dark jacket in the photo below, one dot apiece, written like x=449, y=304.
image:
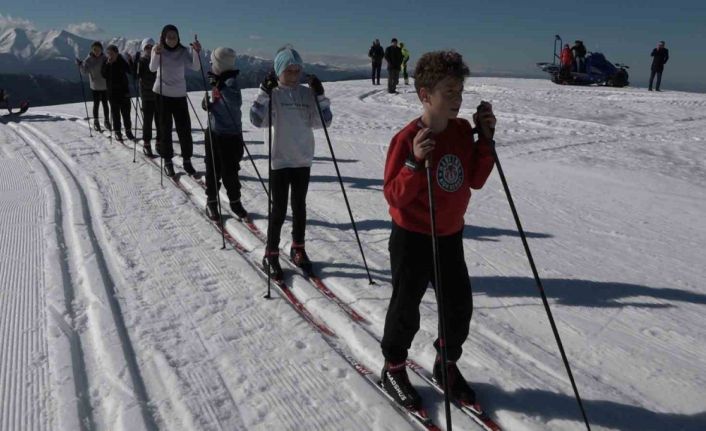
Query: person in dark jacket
x=147, y=79
x=115, y=71
x=579, y=51
x=393, y=56
x=660, y=56
x=376, y=54
x=225, y=134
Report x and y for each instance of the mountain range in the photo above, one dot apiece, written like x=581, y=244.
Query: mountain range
x=47, y=58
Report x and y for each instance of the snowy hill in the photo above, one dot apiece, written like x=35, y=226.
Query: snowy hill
x=121, y=311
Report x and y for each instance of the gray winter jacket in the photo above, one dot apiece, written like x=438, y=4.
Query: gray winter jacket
x=171, y=67
x=91, y=66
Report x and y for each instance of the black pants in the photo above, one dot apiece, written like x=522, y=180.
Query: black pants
x=98, y=98
x=376, y=72
x=149, y=114
x=659, y=78
x=227, y=153
x=174, y=110
x=412, y=270
x=393, y=78
x=280, y=182
x=120, y=106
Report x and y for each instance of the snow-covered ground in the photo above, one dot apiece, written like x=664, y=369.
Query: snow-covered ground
x=120, y=311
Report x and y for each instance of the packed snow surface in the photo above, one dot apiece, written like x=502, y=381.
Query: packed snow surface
x=120, y=311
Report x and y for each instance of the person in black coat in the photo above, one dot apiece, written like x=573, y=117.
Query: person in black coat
x=579, y=51
x=115, y=70
x=393, y=56
x=376, y=54
x=660, y=56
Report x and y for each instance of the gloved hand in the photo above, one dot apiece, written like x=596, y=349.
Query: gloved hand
x=205, y=104
x=269, y=83
x=212, y=79
x=315, y=84
x=485, y=120
x=79, y=62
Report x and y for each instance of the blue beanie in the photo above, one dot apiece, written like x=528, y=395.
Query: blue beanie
x=286, y=57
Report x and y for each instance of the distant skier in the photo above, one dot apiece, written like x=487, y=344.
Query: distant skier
x=226, y=131
x=376, y=54
x=405, y=60
x=660, y=56
x=147, y=78
x=91, y=66
x=294, y=115
x=579, y=51
x=115, y=70
x=170, y=59
x=459, y=164
x=393, y=56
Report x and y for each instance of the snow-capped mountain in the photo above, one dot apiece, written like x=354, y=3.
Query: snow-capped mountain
x=53, y=52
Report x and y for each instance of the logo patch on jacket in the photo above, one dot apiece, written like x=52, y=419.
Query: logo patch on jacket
x=449, y=173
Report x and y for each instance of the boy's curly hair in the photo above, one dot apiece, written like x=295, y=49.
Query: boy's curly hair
x=434, y=66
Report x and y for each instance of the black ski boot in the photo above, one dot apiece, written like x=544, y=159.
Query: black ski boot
x=271, y=264
x=119, y=136
x=106, y=124
x=212, y=210
x=300, y=258
x=458, y=387
x=147, y=149
x=97, y=126
x=129, y=135
x=188, y=167
x=169, y=168
x=238, y=210
x=395, y=381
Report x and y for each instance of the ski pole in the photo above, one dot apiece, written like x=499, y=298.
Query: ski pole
x=194, y=109
x=269, y=188
x=85, y=104
x=537, y=280
x=161, y=121
x=438, y=291
x=210, y=142
x=343, y=189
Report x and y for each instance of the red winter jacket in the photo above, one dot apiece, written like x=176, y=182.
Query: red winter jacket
x=459, y=164
x=567, y=57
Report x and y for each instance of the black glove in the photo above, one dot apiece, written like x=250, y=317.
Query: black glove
x=315, y=84
x=269, y=83
x=213, y=79
x=204, y=103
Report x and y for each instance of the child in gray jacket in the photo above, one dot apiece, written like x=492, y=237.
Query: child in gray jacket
x=91, y=66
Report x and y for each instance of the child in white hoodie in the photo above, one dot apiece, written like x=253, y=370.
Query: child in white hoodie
x=294, y=115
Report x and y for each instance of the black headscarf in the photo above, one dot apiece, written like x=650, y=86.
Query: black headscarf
x=163, y=37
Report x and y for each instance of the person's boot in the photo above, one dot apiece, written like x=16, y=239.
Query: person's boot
x=395, y=382
x=212, y=210
x=238, y=209
x=106, y=124
x=188, y=167
x=129, y=135
x=119, y=136
x=169, y=168
x=97, y=126
x=459, y=389
x=270, y=262
x=300, y=258
x=147, y=149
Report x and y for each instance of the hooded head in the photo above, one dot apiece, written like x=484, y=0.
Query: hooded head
x=401, y=44
x=286, y=57
x=96, y=48
x=222, y=60
x=146, y=42
x=163, y=37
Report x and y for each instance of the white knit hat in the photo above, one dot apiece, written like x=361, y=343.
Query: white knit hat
x=222, y=60
x=145, y=42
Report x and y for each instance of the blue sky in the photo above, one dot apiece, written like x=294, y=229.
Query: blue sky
x=494, y=36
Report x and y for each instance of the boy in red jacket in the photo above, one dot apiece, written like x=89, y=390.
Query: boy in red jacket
x=458, y=164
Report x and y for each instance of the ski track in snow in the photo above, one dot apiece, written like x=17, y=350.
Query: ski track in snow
x=609, y=186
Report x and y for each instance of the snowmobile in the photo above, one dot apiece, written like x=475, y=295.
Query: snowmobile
x=599, y=71
x=5, y=103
